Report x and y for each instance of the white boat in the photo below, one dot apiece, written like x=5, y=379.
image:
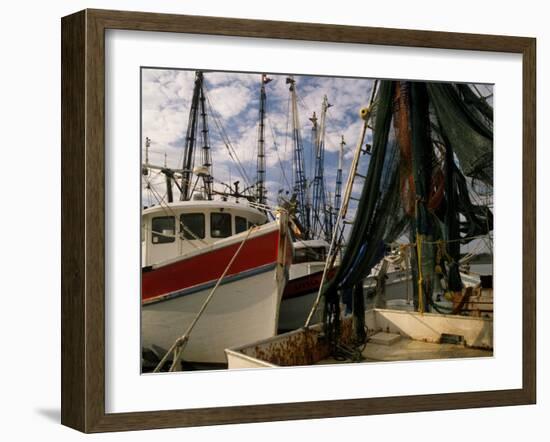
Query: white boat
x=181, y=266
x=398, y=292
x=395, y=292
x=305, y=276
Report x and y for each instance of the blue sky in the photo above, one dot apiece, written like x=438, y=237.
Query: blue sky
x=166, y=97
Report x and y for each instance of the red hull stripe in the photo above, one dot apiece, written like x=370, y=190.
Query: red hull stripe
x=305, y=285
x=208, y=285
x=209, y=266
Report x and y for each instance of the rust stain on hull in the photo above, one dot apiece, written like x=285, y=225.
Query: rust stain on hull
x=302, y=347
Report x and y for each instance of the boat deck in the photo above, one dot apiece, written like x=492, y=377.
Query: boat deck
x=394, y=335
x=405, y=349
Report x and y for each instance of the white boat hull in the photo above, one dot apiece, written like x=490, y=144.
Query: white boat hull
x=239, y=313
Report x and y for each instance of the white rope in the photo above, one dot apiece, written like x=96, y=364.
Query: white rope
x=276, y=146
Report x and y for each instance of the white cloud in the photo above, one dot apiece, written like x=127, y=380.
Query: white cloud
x=230, y=101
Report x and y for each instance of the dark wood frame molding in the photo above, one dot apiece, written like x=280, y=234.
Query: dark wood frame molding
x=83, y=215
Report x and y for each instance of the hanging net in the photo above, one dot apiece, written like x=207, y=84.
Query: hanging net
x=428, y=138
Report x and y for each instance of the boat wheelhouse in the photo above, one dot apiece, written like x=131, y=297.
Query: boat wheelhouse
x=175, y=229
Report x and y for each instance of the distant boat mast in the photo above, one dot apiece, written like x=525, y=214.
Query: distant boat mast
x=338, y=188
x=300, y=183
x=197, y=105
x=321, y=223
x=261, y=191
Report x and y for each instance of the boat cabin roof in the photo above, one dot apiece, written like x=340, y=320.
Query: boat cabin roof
x=311, y=243
x=203, y=206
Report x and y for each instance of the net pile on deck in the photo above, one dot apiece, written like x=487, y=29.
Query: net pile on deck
x=429, y=138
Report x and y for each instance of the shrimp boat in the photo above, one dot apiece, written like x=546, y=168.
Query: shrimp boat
x=179, y=274
x=211, y=262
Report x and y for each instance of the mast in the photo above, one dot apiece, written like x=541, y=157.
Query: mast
x=147, y=146
x=169, y=194
x=260, y=178
x=169, y=176
x=198, y=109
x=206, y=154
x=340, y=223
x=329, y=217
x=320, y=224
x=190, y=141
x=338, y=189
x=314, y=149
x=300, y=183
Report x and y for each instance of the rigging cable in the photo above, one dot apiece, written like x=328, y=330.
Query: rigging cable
x=226, y=140
x=275, y=144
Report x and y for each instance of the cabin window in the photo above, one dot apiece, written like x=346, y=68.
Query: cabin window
x=192, y=225
x=240, y=224
x=163, y=229
x=320, y=254
x=300, y=256
x=309, y=254
x=220, y=225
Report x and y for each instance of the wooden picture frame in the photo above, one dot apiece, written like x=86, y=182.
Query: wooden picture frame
x=83, y=220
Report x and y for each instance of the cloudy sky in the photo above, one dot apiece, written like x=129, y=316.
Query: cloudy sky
x=234, y=102
x=233, y=106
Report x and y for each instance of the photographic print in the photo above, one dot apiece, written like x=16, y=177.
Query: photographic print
x=292, y=220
